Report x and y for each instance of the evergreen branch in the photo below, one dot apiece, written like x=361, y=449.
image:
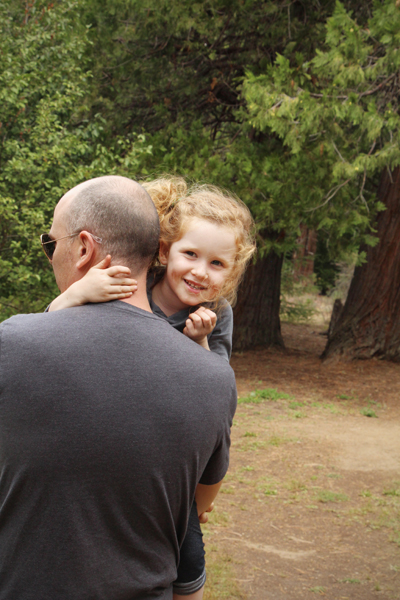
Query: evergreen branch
x=9, y=305
x=361, y=195
x=372, y=147
x=335, y=147
x=367, y=93
x=377, y=88
x=329, y=196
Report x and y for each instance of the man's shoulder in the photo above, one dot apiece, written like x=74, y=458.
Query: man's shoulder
x=22, y=320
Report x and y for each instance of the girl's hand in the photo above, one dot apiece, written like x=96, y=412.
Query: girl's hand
x=203, y=518
x=199, y=325
x=103, y=283
x=100, y=284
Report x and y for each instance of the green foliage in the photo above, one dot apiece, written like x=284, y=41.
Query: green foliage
x=326, y=270
x=176, y=69
x=338, y=121
x=294, y=307
x=90, y=87
x=368, y=412
x=50, y=141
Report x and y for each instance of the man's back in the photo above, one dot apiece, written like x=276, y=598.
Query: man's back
x=108, y=419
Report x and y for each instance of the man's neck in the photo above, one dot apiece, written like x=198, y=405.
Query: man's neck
x=139, y=298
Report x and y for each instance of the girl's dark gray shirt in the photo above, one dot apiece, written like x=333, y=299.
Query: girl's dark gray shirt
x=219, y=340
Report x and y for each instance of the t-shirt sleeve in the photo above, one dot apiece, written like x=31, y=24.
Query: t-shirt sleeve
x=220, y=340
x=217, y=466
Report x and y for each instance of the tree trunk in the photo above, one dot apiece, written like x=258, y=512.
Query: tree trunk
x=256, y=314
x=369, y=325
x=335, y=316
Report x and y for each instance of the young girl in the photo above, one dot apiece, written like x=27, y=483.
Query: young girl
x=206, y=241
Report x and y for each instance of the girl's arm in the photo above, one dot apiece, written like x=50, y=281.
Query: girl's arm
x=199, y=325
x=219, y=335
x=205, y=496
x=101, y=283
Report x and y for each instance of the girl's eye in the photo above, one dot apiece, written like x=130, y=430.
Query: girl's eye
x=190, y=253
x=217, y=263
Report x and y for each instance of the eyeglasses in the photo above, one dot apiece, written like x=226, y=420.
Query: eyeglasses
x=49, y=245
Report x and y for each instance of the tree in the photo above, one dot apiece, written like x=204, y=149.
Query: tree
x=48, y=144
x=338, y=118
x=369, y=324
x=176, y=69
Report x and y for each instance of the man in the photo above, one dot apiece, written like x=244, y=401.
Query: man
x=108, y=420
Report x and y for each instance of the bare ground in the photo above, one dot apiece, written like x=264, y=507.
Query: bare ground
x=311, y=506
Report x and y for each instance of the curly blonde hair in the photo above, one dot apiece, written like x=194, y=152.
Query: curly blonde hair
x=177, y=204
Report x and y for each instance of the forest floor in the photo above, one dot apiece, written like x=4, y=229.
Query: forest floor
x=311, y=503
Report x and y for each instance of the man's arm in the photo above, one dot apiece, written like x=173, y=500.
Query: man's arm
x=205, y=496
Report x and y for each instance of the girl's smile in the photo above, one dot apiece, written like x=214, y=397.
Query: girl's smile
x=197, y=266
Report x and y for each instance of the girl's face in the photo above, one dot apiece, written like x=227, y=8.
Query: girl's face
x=198, y=264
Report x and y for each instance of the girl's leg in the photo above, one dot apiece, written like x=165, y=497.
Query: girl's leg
x=195, y=596
x=191, y=570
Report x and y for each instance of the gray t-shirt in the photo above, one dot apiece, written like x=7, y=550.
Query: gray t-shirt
x=108, y=419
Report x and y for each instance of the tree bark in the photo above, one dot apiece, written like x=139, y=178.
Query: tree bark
x=369, y=325
x=335, y=316
x=256, y=314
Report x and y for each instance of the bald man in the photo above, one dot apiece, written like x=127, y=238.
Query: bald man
x=109, y=418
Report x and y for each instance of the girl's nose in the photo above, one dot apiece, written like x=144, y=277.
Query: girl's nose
x=200, y=271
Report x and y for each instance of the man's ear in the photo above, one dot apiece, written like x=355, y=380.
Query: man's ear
x=163, y=253
x=87, y=250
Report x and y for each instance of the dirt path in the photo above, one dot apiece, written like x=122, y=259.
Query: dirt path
x=311, y=506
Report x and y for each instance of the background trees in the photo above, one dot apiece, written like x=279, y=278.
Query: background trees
x=292, y=105
x=50, y=139
x=337, y=115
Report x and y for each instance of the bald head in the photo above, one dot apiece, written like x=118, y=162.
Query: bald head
x=121, y=213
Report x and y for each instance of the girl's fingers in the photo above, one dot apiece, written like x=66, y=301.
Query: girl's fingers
x=117, y=269
x=124, y=281
x=195, y=318
x=206, y=315
x=120, y=295
x=104, y=264
x=189, y=325
x=204, y=320
x=123, y=289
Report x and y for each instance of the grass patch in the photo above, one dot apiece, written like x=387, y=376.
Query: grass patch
x=276, y=440
x=251, y=446
x=296, y=404
x=267, y=486
x=368, y=412
x=299, y=415
x=296, y=486
x=329, y=496
x=258, y=396
x=269, y=491
x=227, y=490
x=327, y=406
x=220, y=576
x=393, y=491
